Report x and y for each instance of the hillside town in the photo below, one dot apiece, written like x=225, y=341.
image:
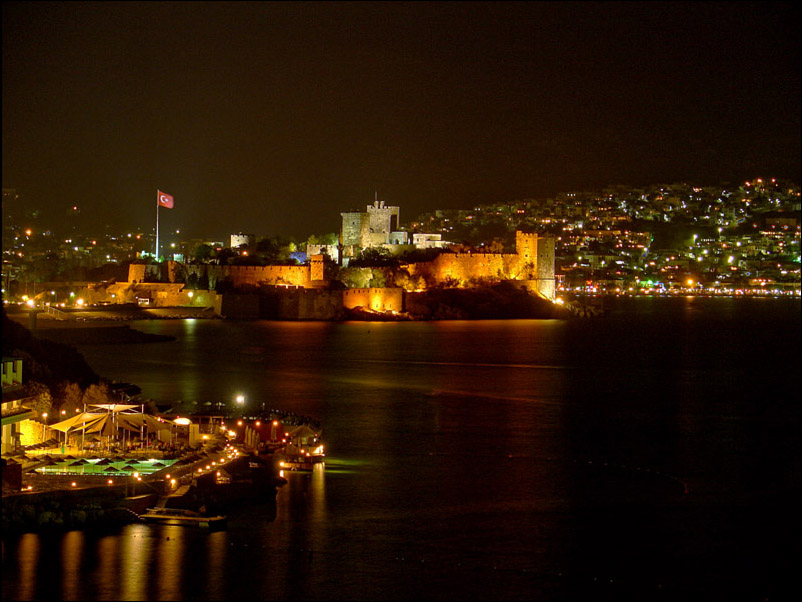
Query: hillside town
x=741, y=239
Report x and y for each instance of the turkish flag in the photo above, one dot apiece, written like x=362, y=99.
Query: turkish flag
x=165, y=200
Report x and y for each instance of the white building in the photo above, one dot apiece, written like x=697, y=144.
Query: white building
x=240, y=239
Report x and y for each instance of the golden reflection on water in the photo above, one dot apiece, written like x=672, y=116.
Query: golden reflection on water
x=317, y=501
x=105, y=575
x=169, y=562
x=319, y=515
x=28, y=560
x=72, y=550
x=217, y=547
x=133, y=566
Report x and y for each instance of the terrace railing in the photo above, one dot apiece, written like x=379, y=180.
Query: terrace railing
x=57, y=313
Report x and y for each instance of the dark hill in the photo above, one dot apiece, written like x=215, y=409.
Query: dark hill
x=45, y=361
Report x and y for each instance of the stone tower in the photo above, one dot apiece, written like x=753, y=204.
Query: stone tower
x=545, y=267
x=526, y=245
x=383, y=218
x=316, y=267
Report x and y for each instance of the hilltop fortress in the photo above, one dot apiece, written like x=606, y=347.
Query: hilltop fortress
x=397, y=287
x=302, y=292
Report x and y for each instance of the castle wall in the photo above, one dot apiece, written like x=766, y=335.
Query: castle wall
x=526, y=246
x=377, y=299
x=533, y=261
x=468, y=267
x=161, y=294
x=316, y=268
x=319, y=304
x=293, y=275
x=374, y=239
x=237, y=306
x=136, y=272
x=282, y=303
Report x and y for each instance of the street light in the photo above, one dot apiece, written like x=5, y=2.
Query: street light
x=241, y=399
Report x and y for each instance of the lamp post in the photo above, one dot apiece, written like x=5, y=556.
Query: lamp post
x=44, y=429
x=64, y=444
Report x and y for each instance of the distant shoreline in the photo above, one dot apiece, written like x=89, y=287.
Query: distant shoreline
x=92, y=334
x=97, y=331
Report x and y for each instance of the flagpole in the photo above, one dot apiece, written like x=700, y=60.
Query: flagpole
x=157, y=226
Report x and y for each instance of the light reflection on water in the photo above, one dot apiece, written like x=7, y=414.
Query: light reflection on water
x=476, y=460
x=28, y=560
x=134, y=563
x=72, y=555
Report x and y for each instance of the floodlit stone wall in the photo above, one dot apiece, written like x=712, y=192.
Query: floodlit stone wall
x=293, y=275
x=136, y=272
x=532, y=261
x=468, y=268
x=233, y=305
x=376, y=299
x=316, y=267
x=355, y=228
x=383, y=218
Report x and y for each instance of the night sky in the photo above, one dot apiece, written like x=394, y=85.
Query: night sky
x=274, y=118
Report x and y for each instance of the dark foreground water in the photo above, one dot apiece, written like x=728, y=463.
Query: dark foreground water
x=652, y=454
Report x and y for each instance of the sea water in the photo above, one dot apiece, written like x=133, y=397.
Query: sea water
x=650, y=454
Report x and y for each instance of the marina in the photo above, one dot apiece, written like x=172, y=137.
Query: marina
x=210, y=465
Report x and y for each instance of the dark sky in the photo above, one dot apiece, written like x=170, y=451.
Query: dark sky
x=274, y=118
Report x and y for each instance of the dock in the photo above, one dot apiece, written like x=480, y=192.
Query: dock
x=178, y=516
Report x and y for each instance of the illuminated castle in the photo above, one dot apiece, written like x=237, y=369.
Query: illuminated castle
x=374, y=227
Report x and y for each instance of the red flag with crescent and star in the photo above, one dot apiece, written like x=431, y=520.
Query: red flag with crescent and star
x=165, y=200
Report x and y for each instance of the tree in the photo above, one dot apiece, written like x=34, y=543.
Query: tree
x=224, y=255
x=203, y=253
x=373, y=257
x=39, y=396
x=69, y=397
x=378, y=279
x=330, y=238
x=356, y=277
x=98, y=394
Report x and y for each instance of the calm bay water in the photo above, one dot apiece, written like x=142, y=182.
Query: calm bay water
x=652, y=454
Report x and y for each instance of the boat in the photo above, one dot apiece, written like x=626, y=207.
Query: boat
x=181, y=516
x=303, y=450
x=294, y=463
